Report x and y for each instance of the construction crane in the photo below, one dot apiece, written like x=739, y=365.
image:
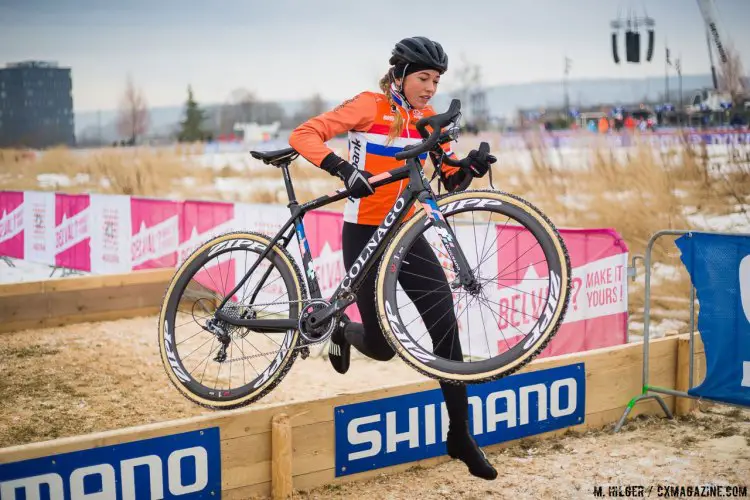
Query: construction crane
x=733, y=81
x=732, y=89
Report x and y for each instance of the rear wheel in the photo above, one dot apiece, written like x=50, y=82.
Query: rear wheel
x=475, y=334
x=211, y=362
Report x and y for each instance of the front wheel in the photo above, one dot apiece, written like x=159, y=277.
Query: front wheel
x=472, y=334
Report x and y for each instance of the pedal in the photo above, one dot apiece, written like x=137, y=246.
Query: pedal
x=305, y=352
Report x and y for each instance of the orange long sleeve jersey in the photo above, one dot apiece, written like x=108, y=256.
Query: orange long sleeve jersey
x=367, y=118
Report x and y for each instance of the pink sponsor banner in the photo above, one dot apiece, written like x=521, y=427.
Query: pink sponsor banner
x=219, y=275
x=597, y=313
x=155, y=232
x=201, y=221
x=110, y=238
x=73, y=231
x=39, y=227
x=11, y=224
x=323, y=231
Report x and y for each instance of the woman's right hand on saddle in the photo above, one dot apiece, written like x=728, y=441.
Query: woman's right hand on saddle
x=355, y=180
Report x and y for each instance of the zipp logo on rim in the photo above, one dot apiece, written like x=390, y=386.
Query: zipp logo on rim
x=277, y=360
x=470, y=202
x=403, y=338
x=236, y=243
x=176, y=368
x=549, y=310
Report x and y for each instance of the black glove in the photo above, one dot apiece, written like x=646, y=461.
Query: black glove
x=478, y=162
x=457, y=181
x=355, y=180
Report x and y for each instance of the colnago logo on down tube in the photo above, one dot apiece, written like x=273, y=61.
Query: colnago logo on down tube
x=373, y=243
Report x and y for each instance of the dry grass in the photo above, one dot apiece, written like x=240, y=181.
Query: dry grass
x=637, y=193
x=107, y=171
x=169, y=173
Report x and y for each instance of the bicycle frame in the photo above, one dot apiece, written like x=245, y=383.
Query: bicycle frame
x=418, y=189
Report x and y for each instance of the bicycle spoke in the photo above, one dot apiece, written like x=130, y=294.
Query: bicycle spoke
x=498, y=318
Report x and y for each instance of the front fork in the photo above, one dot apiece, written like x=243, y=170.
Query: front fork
x=465, y=275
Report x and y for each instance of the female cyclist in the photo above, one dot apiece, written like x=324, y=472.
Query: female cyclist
x=379, y=126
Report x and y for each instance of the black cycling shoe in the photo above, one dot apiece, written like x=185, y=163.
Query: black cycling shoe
x=461, y=445
x=338, y=348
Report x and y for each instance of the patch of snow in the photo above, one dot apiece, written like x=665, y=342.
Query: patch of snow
x=734, y=223
x=239, y=184
x=21, y=271
x=53, y=180
x=81, y=179
x=658, y=329
x=664, y=272
x=575, y=200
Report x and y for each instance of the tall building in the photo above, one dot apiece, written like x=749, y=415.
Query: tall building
x=36, y=105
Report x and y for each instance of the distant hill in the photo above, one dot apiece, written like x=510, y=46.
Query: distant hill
x=502, y=100
x=506, y=100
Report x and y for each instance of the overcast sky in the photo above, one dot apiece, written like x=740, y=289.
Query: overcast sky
x=285, y=50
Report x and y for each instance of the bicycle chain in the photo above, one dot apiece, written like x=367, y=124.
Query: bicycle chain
x=306, y=345
x=243, y=358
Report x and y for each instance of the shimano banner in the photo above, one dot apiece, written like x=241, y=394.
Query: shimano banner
x=400, y=429
x=183, y=466
x=719, y=266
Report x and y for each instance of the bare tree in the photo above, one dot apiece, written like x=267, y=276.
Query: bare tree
x=245, y=102
x=732, y=77
x=238, y=108
x=314, y=106
x=472, y=94
x=133, y=118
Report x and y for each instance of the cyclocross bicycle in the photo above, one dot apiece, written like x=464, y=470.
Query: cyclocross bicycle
x=238, y=311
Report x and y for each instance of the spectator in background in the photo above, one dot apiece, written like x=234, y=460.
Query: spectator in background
x=603, y=125
x=630, y=123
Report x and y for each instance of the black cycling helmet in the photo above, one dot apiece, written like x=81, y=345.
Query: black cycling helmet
x=421, y=51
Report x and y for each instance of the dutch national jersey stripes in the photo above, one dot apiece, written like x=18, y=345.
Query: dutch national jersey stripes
x=367, y=118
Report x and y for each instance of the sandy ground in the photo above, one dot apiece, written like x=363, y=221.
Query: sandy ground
x=711, y=447
x=94, y=377
x=98, y=376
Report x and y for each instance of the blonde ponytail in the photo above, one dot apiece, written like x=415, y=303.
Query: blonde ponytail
x=398, y=123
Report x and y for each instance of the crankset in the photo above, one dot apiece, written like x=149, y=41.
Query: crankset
x=311, y=331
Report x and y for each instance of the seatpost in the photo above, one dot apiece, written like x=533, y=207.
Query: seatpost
x=288, y=184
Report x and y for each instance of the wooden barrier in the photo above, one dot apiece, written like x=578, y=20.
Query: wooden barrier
x=293, y=444
x=42, y=304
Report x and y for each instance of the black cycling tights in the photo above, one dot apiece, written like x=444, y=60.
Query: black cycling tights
x=419, y=274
